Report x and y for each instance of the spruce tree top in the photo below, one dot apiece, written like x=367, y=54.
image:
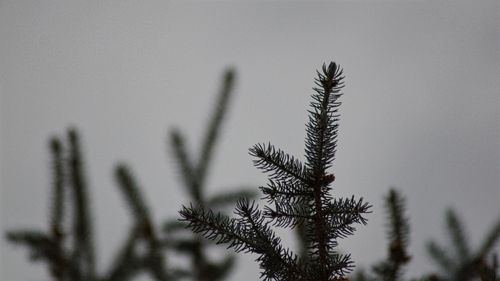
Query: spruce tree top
x=296, y=194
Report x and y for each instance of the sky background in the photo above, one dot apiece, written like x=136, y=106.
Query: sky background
x=421, y=109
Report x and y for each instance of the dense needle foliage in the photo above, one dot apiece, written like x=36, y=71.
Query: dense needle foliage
x=297, y=194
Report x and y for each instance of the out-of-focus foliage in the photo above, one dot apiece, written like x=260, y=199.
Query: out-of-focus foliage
x=67, y=246
x=194, y=173
x=459, y=262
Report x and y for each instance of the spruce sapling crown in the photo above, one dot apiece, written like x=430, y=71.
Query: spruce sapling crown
x=297, y=195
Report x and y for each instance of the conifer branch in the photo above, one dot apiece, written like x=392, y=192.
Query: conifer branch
x=399, y=227
x=276, y=263
x=42, y=246
x=216, y=227
x=287, y=215
x=279, y=165
x=342, y=213
x=57, y=230
x=248, y=234
x=187, y=168
x=300, y=195
x=348, y=209
x=293, y=192
x=320, y=151
x=58, y=189
x=398, y=231
x=214, y=126
x=132, y=194
x=144, y=229
x=83, y=254
x=321, y=139
x=457, y=234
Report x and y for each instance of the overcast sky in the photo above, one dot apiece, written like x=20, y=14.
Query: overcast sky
x=421, y=109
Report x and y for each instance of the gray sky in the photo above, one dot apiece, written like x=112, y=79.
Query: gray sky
x=420, y=110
